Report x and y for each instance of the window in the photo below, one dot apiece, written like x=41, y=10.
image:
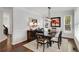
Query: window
x=68, y=23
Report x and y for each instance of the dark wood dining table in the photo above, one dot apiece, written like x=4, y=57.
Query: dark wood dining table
x=47, y=36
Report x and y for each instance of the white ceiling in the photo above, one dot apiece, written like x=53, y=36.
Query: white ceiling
x=52, y=8
x=44, y=10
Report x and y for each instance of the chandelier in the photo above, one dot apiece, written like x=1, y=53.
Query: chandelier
x=49, y=16
x=49, y=8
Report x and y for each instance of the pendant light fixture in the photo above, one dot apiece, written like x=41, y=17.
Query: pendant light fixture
x=49, y=12
x=49, y=16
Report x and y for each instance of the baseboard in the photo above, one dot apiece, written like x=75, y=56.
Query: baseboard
x=14, y=43
x=68, y=38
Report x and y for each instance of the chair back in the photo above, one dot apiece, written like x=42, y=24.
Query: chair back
x=39, y=37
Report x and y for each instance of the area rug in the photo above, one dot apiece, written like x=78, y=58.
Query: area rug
x=33, y=46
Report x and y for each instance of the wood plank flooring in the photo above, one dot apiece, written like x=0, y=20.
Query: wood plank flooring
x=19, y=47
x=15, y=48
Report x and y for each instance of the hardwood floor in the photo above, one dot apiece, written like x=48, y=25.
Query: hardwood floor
x=20, y=48
x=15, y=48
x=4, y=47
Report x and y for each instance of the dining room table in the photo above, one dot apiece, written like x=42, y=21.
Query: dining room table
x=48, y=36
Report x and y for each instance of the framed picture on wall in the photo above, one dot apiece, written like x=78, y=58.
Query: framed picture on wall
x=56, y=22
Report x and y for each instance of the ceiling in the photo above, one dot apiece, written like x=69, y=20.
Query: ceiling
x=44, y=10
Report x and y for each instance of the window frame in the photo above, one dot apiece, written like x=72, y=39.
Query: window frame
x=69, y=31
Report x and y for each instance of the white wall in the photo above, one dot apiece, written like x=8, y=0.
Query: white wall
x=20, y=24
x=76, y=26
x=2, y=37
x=1, y=27
x=76, y=22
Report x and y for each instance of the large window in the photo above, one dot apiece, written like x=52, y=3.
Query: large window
x=68, y=23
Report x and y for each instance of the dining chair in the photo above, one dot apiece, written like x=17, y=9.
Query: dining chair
x=41, y=40
x=57, y=40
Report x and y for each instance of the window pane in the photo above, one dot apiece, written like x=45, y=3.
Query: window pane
x=68, y=23
x=67, y=20
x=67, y=27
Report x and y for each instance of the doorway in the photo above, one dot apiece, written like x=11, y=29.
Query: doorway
x=7, y=17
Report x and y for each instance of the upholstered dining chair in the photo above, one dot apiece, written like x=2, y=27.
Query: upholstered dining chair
x=42, y=41
x=58, y=39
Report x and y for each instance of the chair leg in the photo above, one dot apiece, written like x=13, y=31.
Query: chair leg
x=37, y=45
x=43, y=47
x=47, y=45
x=58, y=45
x=60, y=42
x=50, y=43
